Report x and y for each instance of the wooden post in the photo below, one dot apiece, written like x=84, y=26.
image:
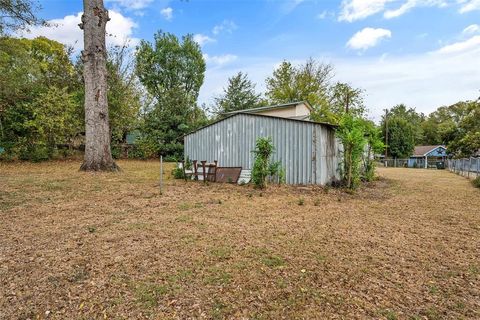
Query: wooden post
x=469, y=167
x=386, y=136
x=195, y=170
x=161, y=174
x=204, y=174
x=478, y=167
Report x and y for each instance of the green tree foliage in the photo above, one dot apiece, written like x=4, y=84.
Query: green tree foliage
x=238, y=95
x=18, y=14
x=457, y=126
x=351, y=132
x=375, y=145
x=312, y=82
x=466, y=141
x=172, y=71
x=346, y=99
x=307, y=82
x=34, y=73
x=410, y=115
x=54, y=118
x=263, y=168
x=401, y=137
x=124, y=94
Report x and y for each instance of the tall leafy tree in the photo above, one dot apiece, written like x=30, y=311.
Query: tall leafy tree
x=412, y=117
x=35, y=77
x=307, y=82
x=346, y=99
x=401, y=137
x=124, y=94
x=238, y=95
x=465, y=138
x=98, y=155
x=172, y=70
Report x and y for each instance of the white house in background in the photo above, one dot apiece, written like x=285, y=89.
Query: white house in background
x=294, y=110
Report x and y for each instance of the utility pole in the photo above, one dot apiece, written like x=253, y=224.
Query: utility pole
x=386, y=135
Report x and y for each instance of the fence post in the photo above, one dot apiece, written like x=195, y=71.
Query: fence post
x=478, y=167
x=161, y=174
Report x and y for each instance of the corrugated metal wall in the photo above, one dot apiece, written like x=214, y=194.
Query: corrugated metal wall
x=308, y=151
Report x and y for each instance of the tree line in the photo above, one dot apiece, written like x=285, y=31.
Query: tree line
x=152, y=95
x=456, y=126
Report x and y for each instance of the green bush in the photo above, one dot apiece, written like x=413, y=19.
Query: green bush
x=177, y=173
x=262, y=167
x=476, y=182
x=35, y=153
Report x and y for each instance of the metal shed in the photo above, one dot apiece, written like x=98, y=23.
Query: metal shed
x=309, y=151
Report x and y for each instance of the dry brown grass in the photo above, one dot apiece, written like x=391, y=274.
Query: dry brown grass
x=83, y=246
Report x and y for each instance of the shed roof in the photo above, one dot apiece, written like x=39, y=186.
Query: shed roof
x=263, y=115
x=422, y=151
x=277, y=106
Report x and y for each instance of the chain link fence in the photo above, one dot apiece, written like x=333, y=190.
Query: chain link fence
x=418, y=163
x=467, y=167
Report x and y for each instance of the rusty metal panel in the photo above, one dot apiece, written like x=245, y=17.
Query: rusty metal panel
x=228, y=174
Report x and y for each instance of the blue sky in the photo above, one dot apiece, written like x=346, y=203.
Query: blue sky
x=424, y=53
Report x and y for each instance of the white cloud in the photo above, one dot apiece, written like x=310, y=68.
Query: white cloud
x=368, y=37
x=472, y=44
x=132, y=4
x=167, y=13
x=471, y=29
x=400, y=11
x=202, y=39
x=67, y=31
x=469, y=5
x=227, y=26
x=352, y=10
x=424, y=81
x=410, y=4
x=219, y=60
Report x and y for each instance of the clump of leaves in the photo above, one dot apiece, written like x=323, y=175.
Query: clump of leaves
x=177, y=173
x=476, y=182
x=262, y=167
x=273, y=261
x=316, y=202
x=301, y=201
x=148, y=294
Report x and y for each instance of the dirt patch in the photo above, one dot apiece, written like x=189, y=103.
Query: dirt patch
x=81, y=245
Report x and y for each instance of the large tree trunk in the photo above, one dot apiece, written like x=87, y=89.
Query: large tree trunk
x=98, y=156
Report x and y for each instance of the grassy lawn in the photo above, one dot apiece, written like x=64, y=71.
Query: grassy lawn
x=87, y=246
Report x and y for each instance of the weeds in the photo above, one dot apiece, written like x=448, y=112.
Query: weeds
x=148, y=294
x=476, y=182
x=301, y=201
x=273, y=261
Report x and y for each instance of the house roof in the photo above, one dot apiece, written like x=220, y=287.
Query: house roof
x=421, y=151
x=261, y=115
x=277, y=106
